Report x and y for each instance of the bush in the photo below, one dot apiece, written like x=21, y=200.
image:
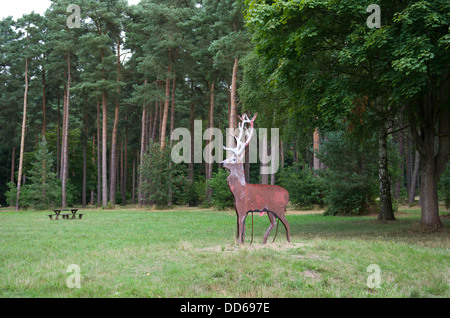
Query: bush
x=355, y=196
x=221, y=198
x=304, y=188
x=351, y=176
x=195, y=192
x=160, y=175
x=42, y=190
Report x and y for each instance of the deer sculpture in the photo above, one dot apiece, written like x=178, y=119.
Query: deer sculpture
x=249, y=198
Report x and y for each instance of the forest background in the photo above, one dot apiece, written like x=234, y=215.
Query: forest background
x=86, y=113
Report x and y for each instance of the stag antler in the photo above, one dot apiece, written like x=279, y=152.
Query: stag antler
x=240, y=146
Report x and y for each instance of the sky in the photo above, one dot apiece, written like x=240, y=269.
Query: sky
x=17, y=8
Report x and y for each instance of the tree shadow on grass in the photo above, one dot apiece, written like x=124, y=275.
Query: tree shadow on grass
x=405, y=227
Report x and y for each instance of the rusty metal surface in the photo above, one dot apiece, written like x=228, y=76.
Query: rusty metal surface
x=253, y=197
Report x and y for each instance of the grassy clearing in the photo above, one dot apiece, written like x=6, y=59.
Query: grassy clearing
x=190, y=253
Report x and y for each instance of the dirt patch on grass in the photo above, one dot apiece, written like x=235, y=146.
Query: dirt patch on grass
x=252, y=247
x=311, y=274
x=302, y=212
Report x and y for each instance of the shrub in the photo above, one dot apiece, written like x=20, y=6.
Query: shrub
x=195, y=192
x=160, y=175
x=42, y=189
x=352, y=174
x=355, y=196
x=304, y=188
x=221, y=197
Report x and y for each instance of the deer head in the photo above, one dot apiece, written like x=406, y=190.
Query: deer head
x=236, y=159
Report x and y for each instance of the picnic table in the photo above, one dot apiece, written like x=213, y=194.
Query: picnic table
x=65, y=215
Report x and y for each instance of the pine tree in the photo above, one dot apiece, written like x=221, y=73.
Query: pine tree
x=42, y=190
x=30, y=42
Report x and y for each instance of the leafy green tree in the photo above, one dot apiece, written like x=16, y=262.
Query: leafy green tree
x=222, y=198
x=11, y=96
x=62, y=60
x=43, y=189
x=103, y=20
x=159, y=176
x=351, y=176
x=305, y=189
x=327, y=54
x=30, y=41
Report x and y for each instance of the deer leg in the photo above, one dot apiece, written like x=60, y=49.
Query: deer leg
x=241, y=229
x=272, y=224
x=237, y=228
x=286, y=225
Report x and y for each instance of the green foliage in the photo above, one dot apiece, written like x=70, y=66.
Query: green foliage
x=11, y=193
x=158, y=174
x=221, y=198
x=351, y=176
x=324, y=52
x=197, y=192
x=304, y=188
x=42, y=189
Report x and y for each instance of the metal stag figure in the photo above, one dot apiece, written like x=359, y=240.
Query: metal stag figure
x=249, y=198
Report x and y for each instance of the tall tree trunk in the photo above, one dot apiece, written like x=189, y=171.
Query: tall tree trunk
x=83, y=196
x=191, y=128
x=155, y=119
x=121, y=171
x=209, y=154
x=13, y=159
x=172, y=126
x=22, y=138
x=99, y=158
x=401, y=152
x=65, y=165
x=433, y=113
x=247, y=164
x=409, y=162
x=233, y=105
x=386, y=212
x=61, y=168
x=316, y=141
x=172, y=110
x=264, y=176
x=412, y=190
x=104, y=149
x=44, y=107
x=133, y=186
x=166, y=102
x=125, y=166
x=428, y=193
x=141, y=179
x=113, y=163
x=58, y=140
x=93, y=163
x=84, y=139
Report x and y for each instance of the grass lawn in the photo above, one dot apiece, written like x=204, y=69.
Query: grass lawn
x=190, y=253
